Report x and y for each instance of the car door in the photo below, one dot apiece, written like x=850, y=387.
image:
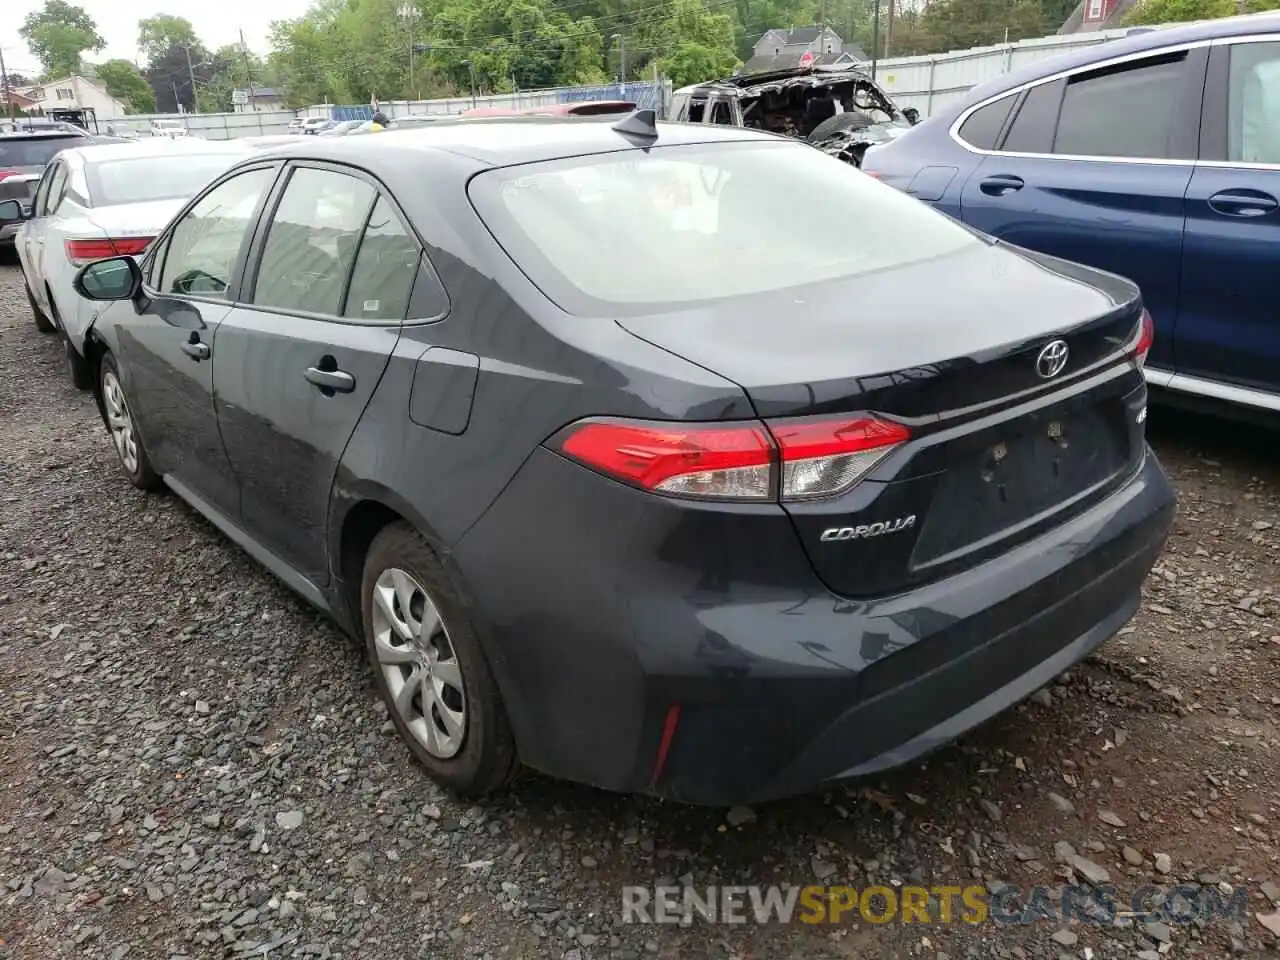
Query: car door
x=38, y=201
x=299, y=356
x=53, y=187
x=166, y=337
x=1227, y=342
x=1094, y=166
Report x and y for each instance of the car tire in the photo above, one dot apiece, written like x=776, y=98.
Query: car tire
x=124, y=435
x=841, y=122
x=462, y=736
x=43, y=323
x=78, y=367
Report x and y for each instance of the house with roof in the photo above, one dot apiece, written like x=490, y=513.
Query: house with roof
x=10, y=97
x=258, y=100
x=1090, y=16
x=74, y=94
x=784, y=48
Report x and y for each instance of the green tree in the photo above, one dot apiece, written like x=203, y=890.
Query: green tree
x=123, y=81
x=1153, y=12
x=696, y=62
x=158, y=34
x=58, y=33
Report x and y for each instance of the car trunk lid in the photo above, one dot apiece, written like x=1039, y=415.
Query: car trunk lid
x=1002, y=444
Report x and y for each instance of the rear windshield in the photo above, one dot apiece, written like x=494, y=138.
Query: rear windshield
x=34, y=151
x=168, y=177
x=670, y=227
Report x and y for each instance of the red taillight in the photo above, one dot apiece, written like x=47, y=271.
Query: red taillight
x=874, y=174
x=8, y=173
x=822, y=457
x=1146, y=337
x=790, y=459
x=693, y=459
x=86, y=251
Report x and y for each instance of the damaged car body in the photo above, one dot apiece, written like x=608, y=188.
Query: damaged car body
x=839, y=110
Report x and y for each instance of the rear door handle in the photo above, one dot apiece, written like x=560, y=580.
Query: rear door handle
x=1243, y=203
x=336, y=380
x=1000, y=184
x=196, y=350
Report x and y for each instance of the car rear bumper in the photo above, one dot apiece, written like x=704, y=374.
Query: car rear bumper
x=607, y=641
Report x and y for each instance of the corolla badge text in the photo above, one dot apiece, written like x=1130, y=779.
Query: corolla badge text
x=869, y=530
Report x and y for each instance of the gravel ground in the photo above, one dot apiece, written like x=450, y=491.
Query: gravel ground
x=195, y=765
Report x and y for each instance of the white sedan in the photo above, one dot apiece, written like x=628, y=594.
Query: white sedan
x=103, y=201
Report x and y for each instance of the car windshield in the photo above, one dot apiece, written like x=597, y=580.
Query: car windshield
x=33, y=151
x=666, y=228
x=141, y=179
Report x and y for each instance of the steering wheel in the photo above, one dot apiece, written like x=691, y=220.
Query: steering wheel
x=864, y=100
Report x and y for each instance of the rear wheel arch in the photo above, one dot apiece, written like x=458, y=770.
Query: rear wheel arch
x=372, y=509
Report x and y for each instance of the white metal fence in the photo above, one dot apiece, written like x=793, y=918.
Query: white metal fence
x=229, y=126
x=929, y=83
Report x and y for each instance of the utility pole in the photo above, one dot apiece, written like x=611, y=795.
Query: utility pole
x=888, y=31
x=177, y=104
x=409, y=12
x=875, y=38
x=191, y=75
x=248, y=72
x=4, y=85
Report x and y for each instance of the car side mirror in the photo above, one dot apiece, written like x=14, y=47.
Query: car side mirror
x=912, y=115
x=11, y=212
x=115, y=278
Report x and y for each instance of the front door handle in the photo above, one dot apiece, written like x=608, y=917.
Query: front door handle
x=1000, y=184
x=335, y=380
x=1243, y=203
x=196, y=350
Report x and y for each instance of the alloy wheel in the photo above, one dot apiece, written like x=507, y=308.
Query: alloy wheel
x=120, y=422
x=417, y=658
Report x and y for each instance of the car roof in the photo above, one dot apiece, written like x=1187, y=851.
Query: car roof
x=44, y=133
x=1139, y=41
x=747, y=83
x=505, y=141
x=157, y=147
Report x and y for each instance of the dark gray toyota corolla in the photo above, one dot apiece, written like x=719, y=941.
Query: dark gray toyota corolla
x=679, y=459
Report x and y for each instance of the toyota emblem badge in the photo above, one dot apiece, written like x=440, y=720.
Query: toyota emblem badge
x=1052, y=358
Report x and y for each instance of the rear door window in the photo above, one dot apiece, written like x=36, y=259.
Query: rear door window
x=385, y=267
x=1253, y=104
x=1122, y=111
x=1032, y=129
x=311, y=243
x=23, y=151
x=982, y=129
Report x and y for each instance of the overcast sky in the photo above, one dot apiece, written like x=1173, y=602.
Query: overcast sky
x=217, y=22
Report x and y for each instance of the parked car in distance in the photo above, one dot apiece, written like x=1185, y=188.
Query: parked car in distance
x=173, y=129
x=428, y=379
x=840, y=110
x=24, y=155
x=101, y=201
x=1155, y=156
x=314, y=125
x=341, y=128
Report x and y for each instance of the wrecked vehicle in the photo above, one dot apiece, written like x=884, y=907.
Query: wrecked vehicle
x=840, y=110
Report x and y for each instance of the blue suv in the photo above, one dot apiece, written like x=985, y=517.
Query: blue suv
x=1157, y=157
